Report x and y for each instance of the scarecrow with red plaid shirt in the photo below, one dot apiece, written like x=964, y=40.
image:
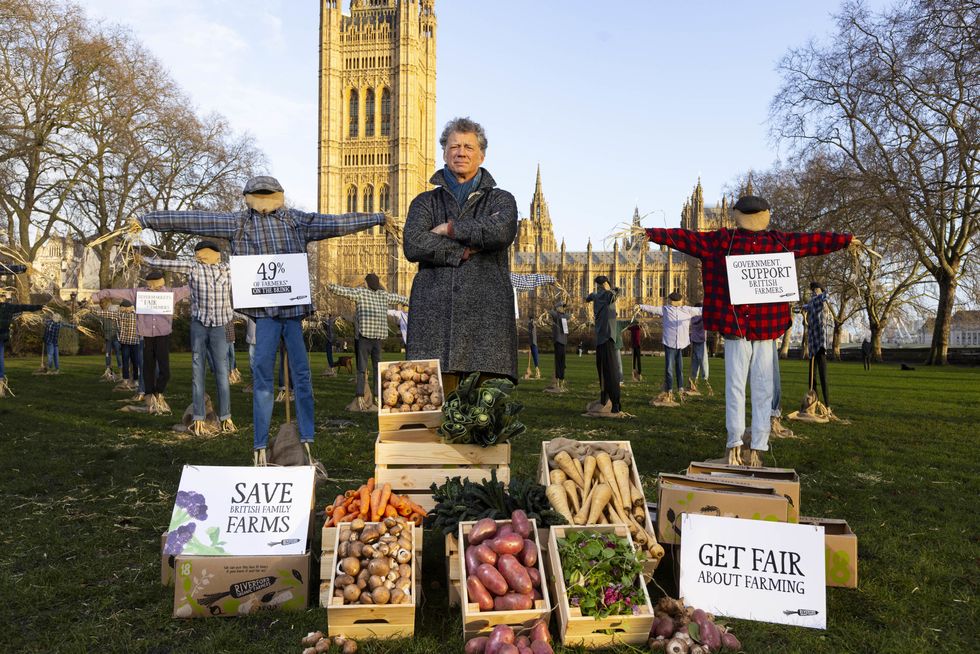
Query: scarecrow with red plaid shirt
x=749, y=329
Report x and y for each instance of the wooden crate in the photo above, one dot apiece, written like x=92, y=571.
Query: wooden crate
x=453, y=568
x=544, y=474
x=411, y=465
x=414, y=419
x=481, y=623
x=328, y=558
x=587, y=631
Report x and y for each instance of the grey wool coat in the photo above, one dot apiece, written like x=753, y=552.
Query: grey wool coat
x=462, y=312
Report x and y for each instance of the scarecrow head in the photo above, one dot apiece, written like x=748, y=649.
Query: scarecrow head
x=373, y=282
x=675, y=299
x=126, y=307
x=207, y=252
x=264, y=194
x=752, y=213
x=601, y=283
x=154, y=280
x=816, y=288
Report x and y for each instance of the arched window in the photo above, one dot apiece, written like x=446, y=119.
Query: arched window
x=369, y=113
x=368, y=205
x=351, y=199
x=384, y=198
x=385, y=112
x=354, y=109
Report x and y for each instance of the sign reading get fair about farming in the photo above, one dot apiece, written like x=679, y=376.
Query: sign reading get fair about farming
x=754, y=570
x=225, y=510
x=269, y=280
x=762, y=278
x=154, y=303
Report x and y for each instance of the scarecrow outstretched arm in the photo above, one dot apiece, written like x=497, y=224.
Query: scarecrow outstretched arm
x=202, y=223
x=175, y=265
x=809, y=244
x=343, y=291
x=396, y=300
x=529, y=282
x=696, y=244
x=318, y=226
x=116, y=293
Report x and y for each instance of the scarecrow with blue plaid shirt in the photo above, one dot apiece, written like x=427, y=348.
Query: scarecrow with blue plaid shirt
x=267, y=226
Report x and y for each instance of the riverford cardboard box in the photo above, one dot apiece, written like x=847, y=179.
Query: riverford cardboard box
x=784, y=480
x=679, y=494
x=840, y=549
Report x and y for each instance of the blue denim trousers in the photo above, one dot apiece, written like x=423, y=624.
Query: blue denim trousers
x=673, y=368
x=748, y=362
x=139, y=366
x=131, y=361
x=268, y=333
x=777, y=392
x=113, y=345
x=52, y=351
x=210, y=340
x=699, y=361
x=534, y=354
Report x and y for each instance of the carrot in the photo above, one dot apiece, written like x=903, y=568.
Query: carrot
x=385, y=496
x=375, y=503
x=337, y=502
x=417, y=509
x=390, y=512
x=338, y=514
x=370, y=484
x=416, y=519
x=365, y=500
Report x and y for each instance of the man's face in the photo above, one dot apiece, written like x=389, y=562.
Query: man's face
x=463, y=155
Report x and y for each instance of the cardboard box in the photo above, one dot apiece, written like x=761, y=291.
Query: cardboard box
x=679, y=494
x=229, y=586
x=784, y=480
x=841, y=551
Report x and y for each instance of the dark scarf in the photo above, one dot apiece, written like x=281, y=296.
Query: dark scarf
x=460, y=191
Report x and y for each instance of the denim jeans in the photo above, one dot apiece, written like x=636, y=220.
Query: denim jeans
x=673, y=368
x=113, y=345
x=232, y=363
x=329, y=354
x=748, y=361
x=699, y=363
x=52, y=351
x=130, y=362
x=777, y=390
x=209, y=339
x=268, y=333
x=534, y=354
x=141, y=386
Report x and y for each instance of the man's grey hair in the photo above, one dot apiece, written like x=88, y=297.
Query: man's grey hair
x=464, y=126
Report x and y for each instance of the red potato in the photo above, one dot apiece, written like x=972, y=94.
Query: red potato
x=541, y=647
x=491, y=579
x=710, y=635
x=503, y=530
x=529, y=555
x=478, y=593
x=730, y=642
x=508, y=544
x=485, y=554
x=522, y=526
x=513, y=602
x=539, y=631
x=535, y=576
x=503, y=634
x=523, y=641
x=536, y=595
x=665, y=627
x=472, y=561
x=481, y=531
x=524, y=650
x=515, y=574
x=476, y=645
x=507, y=648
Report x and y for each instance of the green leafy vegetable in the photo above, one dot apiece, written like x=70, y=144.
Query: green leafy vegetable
x=602, y=573
x=484, y=415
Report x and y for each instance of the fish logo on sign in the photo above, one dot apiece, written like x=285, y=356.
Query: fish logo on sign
x=801, y=612
x=285, y=541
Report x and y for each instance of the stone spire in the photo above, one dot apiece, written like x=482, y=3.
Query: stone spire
x=544, y=234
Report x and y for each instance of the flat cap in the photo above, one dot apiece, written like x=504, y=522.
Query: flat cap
x=262, y=184
x=207, y=245
x=125, y=303
x=675, y=297
x=154, y=274
x=601, y=279
x=749, y=204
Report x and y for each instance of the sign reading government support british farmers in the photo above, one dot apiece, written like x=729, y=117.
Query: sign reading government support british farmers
x=762, y=278
x=229, y=510
x=754, y=570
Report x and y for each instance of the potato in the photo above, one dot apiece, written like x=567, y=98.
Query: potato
x=539, y=631
x=502, y=634
x=507, y=648
x=730, y=642
x=486, y=555
x=520, y=523
x=478, y=594
x=492, y=579
x=503, y=530
x=513, y=602
x=535, y=576
x=472, y=563
x=508, y=544
x=523, y=641
x=515, y=574
x=476, y=645
x=541, y=647
x=529, y=555
x=481, y=531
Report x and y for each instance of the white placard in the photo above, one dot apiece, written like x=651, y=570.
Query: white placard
x=226, y=510
x=754, y=570
x=270, y=280
x=155, y=303
x=762, y=278
x=564, y=326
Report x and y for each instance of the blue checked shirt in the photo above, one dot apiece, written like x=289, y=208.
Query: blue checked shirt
x=372, y=308
x=529, y=282
x=284, y=231
x=210, y=287
x=816, y=329
x=52, y=329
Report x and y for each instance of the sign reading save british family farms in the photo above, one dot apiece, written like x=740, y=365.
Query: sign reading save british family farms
x=224, y=510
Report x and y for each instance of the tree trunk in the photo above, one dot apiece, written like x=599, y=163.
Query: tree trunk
x=835, y=342
x=944, y=315
x=876, y=341
x=784, y=346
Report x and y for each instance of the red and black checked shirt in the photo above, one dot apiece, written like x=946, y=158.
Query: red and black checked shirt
x=755, y=322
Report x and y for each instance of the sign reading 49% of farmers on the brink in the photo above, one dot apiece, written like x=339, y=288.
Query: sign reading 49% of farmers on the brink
x=270, y=280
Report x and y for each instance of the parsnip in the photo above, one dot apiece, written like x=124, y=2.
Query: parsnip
x=589, y=469
x=636, y=495
x=558, y=477
x=603, y=495
x=604, y=463
x=622, y=472
x=581, y=471
x=572, y=491
x=564, y=461
x=559, y=501
x=583, y=512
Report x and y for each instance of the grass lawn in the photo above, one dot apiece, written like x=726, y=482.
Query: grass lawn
x=88, y=490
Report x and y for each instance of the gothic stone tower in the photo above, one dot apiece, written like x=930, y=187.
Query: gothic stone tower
x=377, y=127
x=536, y=233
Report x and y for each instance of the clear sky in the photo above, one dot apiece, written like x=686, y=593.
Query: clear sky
x=623, y=103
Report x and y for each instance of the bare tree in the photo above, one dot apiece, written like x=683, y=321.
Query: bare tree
x=897, y=94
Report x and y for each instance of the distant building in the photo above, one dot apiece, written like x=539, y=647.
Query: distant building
x=64, y=266
x=964, y=329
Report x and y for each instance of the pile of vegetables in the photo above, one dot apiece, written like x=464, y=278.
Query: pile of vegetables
x=500, y=562
x=410, y=386
x=601, y=574
x=372, y=504
x=460, y=500
x=375, y=562
x=316, y=643
x=484, y=414
x=503, y=640
x=590, y=483
x=680, y=629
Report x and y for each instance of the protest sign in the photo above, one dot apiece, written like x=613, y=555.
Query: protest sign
x=154, y=303
x=270, y=280
x=762, y=278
